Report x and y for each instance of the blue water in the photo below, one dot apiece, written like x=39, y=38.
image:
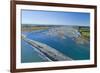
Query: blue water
x=66, y=46
x=28, y=53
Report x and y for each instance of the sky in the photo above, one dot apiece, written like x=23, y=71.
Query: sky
x=54, y=18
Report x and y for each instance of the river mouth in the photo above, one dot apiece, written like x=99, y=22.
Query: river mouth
x=69, y=40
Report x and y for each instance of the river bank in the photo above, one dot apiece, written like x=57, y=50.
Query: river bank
x=49, y=52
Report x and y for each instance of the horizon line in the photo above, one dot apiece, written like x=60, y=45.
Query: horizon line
x=52, y=24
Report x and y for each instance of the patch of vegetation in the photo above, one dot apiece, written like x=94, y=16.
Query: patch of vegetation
x=32, y=28
x=85, y=32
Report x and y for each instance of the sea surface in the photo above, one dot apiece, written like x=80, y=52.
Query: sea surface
x=65, y=45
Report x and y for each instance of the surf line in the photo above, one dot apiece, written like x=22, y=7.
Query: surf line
x=51, y=53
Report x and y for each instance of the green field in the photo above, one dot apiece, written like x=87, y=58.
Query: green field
x=85, y=32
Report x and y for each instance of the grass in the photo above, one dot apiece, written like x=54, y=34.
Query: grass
x=85, y=32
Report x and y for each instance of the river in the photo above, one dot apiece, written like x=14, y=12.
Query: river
x=64, y=44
